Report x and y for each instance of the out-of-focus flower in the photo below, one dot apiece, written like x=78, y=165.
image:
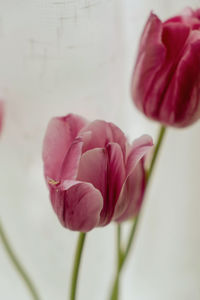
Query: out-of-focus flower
x=166, y=78
x=93, y=174
x=1, y=114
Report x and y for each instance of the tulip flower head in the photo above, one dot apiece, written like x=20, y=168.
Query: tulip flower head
x=93, y=174
x=166, y=77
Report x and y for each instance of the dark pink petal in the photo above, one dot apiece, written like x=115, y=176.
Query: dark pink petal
x=151, y=57
x=197, y=14
x=132, y=193
x=181, y=105
x=139, y=149
x=59, y=136
x=93, y=169
x=77, y=205
x=115, y=179
x=102, y=133
x=189, y=17
x=159, y=53
x=174, y=36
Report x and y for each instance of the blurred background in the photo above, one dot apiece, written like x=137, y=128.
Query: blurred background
x=62, y=56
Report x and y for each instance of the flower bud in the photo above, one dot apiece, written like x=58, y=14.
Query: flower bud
x=166, y=77
x=93, y=174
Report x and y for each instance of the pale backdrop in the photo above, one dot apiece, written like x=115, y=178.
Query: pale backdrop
x=61, y=56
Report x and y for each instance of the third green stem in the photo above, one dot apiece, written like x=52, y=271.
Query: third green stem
x=124, y=255
x=76, y=266
x=17, y=264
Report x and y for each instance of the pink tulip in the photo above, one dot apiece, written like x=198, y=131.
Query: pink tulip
x=93, y=174
x=166, y=78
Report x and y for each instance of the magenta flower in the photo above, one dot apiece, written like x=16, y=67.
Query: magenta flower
x=166, y=78
x=93, y=174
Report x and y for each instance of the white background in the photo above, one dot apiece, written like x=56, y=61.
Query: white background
x=61, y=56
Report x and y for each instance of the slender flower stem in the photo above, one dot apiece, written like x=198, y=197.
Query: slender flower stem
x=77, y=260
x=119, y=250
x=115, y=291
x=161, y=135
x=19, y=268
x=133, y=230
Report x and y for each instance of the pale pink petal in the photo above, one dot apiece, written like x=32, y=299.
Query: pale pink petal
x=132, y=194
x=138, y=149
x=115, y=179
x=93, y=169
x=60, y=134
x=118, y=137
x=77, y=205
x=70, y=165
x=102, y=133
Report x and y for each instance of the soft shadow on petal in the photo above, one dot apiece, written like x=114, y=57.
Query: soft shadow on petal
x=70, y=165
x=151, y=56
x=132, y=193
x=101, y=133
x=174, y=36
x=115, y=179
x=60, y=134
x=139, y=149
x=181, y=106
x=77, y=205
x=93, y=169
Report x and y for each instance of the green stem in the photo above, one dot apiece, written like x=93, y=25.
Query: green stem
x=124, y=255
x=161, y=135
x=17, y=264
x=118, y=244
x=115, y=291
x=76, y=267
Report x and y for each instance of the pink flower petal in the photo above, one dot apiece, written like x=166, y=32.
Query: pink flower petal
x=151, y=57
x=159, y=53
x=93, y=169
x=181, y=105
x=132, y=194
x=188, y=16
x=101, y=134
x=70, y=165
x=115, y=180
x=139, y=149
x=77, y=205
x=60, y=134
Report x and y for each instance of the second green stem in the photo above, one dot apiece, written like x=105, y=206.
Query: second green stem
x=77, y=260
x=123, y=255
x=17, y=264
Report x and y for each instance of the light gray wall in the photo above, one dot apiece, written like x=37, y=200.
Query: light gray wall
x=77, y=56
